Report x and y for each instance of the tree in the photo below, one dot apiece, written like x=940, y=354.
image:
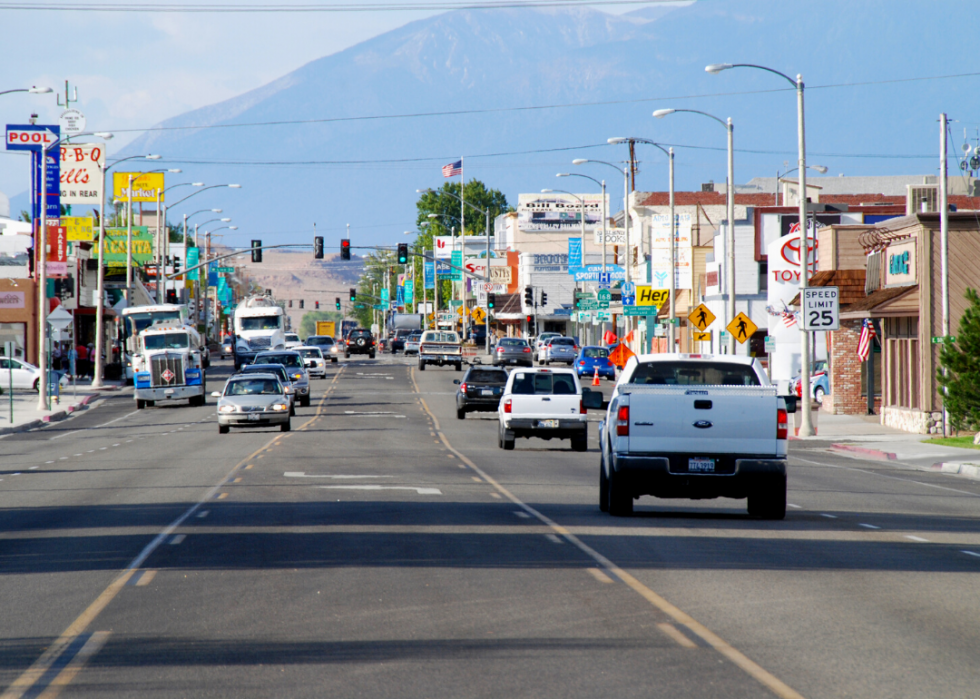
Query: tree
x=959, y=372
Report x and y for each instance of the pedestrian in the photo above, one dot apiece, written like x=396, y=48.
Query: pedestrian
x=73, y=362
x=82, y=359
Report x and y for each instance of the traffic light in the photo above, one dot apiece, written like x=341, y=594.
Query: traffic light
x=171, y=296
x=528, y=295
x=318, y=247
x=337, y=302
x=316, y=305
x=491, y=300
x=345, y=249
x=301, y=303
x=353, y=296
x=256, y=251
x=578, y=304
x=176, y=265
x=544, y=298
x=402, y=253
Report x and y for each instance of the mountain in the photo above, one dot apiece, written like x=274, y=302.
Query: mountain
x=618, y=68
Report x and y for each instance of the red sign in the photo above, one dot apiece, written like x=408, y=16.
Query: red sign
x=57, y=243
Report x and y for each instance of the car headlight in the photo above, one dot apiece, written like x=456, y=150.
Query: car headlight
x=227, y=409
x=296, y=377
x=279, y=407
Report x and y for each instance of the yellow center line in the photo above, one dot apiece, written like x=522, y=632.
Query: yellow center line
x=750, y=667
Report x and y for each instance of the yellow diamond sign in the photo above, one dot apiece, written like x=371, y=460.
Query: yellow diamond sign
x=702, y=337
x=701, y=317
x=478, y=314
x=742, y=328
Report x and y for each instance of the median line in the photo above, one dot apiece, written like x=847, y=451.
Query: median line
x=735, y=656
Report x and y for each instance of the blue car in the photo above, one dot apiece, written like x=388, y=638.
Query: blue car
x=591, y=358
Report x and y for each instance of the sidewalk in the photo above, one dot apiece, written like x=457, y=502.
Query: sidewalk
x=864, y=437
x=28, y=417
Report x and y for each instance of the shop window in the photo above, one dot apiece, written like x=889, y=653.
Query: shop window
x=16, y=333
x=876, y=350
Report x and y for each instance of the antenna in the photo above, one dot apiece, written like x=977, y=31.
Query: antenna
x=68, y=101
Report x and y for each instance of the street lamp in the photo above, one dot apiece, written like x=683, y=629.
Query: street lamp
x=806, y=424
x=819, y=168
x=163, y=236
x=32, y=90
x=730, y=238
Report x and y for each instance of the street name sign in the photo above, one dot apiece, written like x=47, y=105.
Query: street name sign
x=821, y=308
x=640, y=310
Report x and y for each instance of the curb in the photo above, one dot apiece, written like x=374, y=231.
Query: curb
x=875, y=454
x=48, y=419
x=970, y=471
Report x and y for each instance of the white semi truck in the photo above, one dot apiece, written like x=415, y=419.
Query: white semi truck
x=260, y=326
x=168, y=365
x=136, y=319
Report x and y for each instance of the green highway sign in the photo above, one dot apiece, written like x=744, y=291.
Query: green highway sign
x=941, y=340
x=378, y=306
x=640, y=310
x=224, y=270
x=588, y=304
x=359, y=305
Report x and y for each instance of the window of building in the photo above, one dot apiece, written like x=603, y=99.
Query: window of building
x=15, y=333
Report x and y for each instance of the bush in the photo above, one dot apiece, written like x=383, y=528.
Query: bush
x=959, y=372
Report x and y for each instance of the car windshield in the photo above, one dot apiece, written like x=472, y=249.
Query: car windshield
x=441, y=337
x=486, y=376
x=695, y=374
x=167, y=341
x=286, y=359
x=253, y=387
x=512, y=342
x=543, y=384
x=311, y=353
x=414, y=337
x=292, y=337
x=260, y=322
x=596, y=352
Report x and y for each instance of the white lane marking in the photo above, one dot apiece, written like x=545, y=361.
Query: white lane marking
x=90, y=451
x=103, y=448
x=303, y=474
x=374, y=413
x=971, y=553
x=916, y=538
x=882, y=475
x=420, y=491
x=15, y=474
x=202, y=514
x=33, y=468
x=495, y=496
x=62, y=458
x=867, y=526
x=49, y=462
x=64, y=435
x=177, y=539
x=135, y=412
x=824, y=514
x=115, y=445
x=795, y=507
x=523, y=515
x=553, y=538
x=76, y=454
x=128, y=441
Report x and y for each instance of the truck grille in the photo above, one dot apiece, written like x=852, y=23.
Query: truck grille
x=167, y=370
x=257, y=342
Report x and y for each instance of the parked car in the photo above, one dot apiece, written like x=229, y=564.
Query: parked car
x=22, y=374
x=252, y=400
x=819, y=383
x=292, y=340
x=280, y=371
x=558, y=349
x=412, y=342
x=331, y=350
x=479, y=389
x=512, y=350
x=359, y=341
x=315, y=363
x=545, y=403
x=295, y=367
x=591, y=358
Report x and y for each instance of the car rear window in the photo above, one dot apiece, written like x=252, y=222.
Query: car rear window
x=563, y=341
x=290, y=360
x=512, y=342
x=695, y=374
x=487, y=376
x=278, y=369
x=536, y=384
x=320, y=340
x=596, y=353
x=311, y=353
x=441, y=337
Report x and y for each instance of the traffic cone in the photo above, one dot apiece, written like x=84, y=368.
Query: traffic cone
x=595, y=377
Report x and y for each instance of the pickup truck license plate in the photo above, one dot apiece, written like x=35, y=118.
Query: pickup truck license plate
x=701, y=465
x=548, y=423
x=253, y=416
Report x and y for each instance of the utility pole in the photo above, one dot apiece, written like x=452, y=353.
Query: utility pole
x=943, y=238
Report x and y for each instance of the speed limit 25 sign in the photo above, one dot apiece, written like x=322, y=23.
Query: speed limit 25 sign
x=821, y=308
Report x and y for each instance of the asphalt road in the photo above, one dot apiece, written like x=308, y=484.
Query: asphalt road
x=384, y=548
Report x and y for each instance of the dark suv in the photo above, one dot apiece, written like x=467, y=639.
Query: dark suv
x=480, y=389
x=359, y=341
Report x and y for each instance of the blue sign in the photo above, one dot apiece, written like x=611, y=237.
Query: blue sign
x=628, y=291
x=429, y=275
x=33, y=137
x=400, y=296
x=54, y=184
x=574, y=254
x=593, y=273
x=193, y=259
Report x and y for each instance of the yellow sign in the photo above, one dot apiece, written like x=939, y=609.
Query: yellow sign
x=742, y=328
x=79, y=227
x=478, y=314
x=145, y=186
x=701, y=317
x=702, y=337
x=648, y=296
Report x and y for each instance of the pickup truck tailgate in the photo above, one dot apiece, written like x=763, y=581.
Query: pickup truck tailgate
x=702, y=419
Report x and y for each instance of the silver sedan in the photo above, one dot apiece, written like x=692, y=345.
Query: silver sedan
x=253, y=400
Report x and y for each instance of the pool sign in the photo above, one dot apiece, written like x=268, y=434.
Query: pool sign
x=31, y=137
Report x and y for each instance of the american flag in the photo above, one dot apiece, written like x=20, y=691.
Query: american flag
x=453, y=169
x=789, y=318
x=864, y=342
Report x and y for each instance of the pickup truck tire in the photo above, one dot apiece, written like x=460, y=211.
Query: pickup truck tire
x=620, y=499
x=505, y=443
x=140, y=404
x=223, y=429
x=305, y=401
x=769, y=500
x=459, y=366
x=580, y=443
x=460, y=414
x=603, y=487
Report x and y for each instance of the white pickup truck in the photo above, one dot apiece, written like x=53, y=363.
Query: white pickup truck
x=694, y=426
x=545, y=403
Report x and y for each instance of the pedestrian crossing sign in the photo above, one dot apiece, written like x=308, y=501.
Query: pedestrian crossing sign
x=701, y=317
x=702, y=337
x=742, y=327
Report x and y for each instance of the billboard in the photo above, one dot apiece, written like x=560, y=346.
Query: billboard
x=81, y=174
x=115, y=246
x=559, y=212
x=145, y=186
x=660, y=251
x=79, y=227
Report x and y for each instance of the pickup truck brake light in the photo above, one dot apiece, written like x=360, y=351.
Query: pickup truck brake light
x=623, y=421
x=508, y=405
x=581, y=407
x=782, y=424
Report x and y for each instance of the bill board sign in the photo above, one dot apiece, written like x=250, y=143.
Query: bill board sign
x=145, y=186
x=660, y=251
x=116, y=243
x=81, y=173
x=559, y=212
x=53, y=186
x=79, y=227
